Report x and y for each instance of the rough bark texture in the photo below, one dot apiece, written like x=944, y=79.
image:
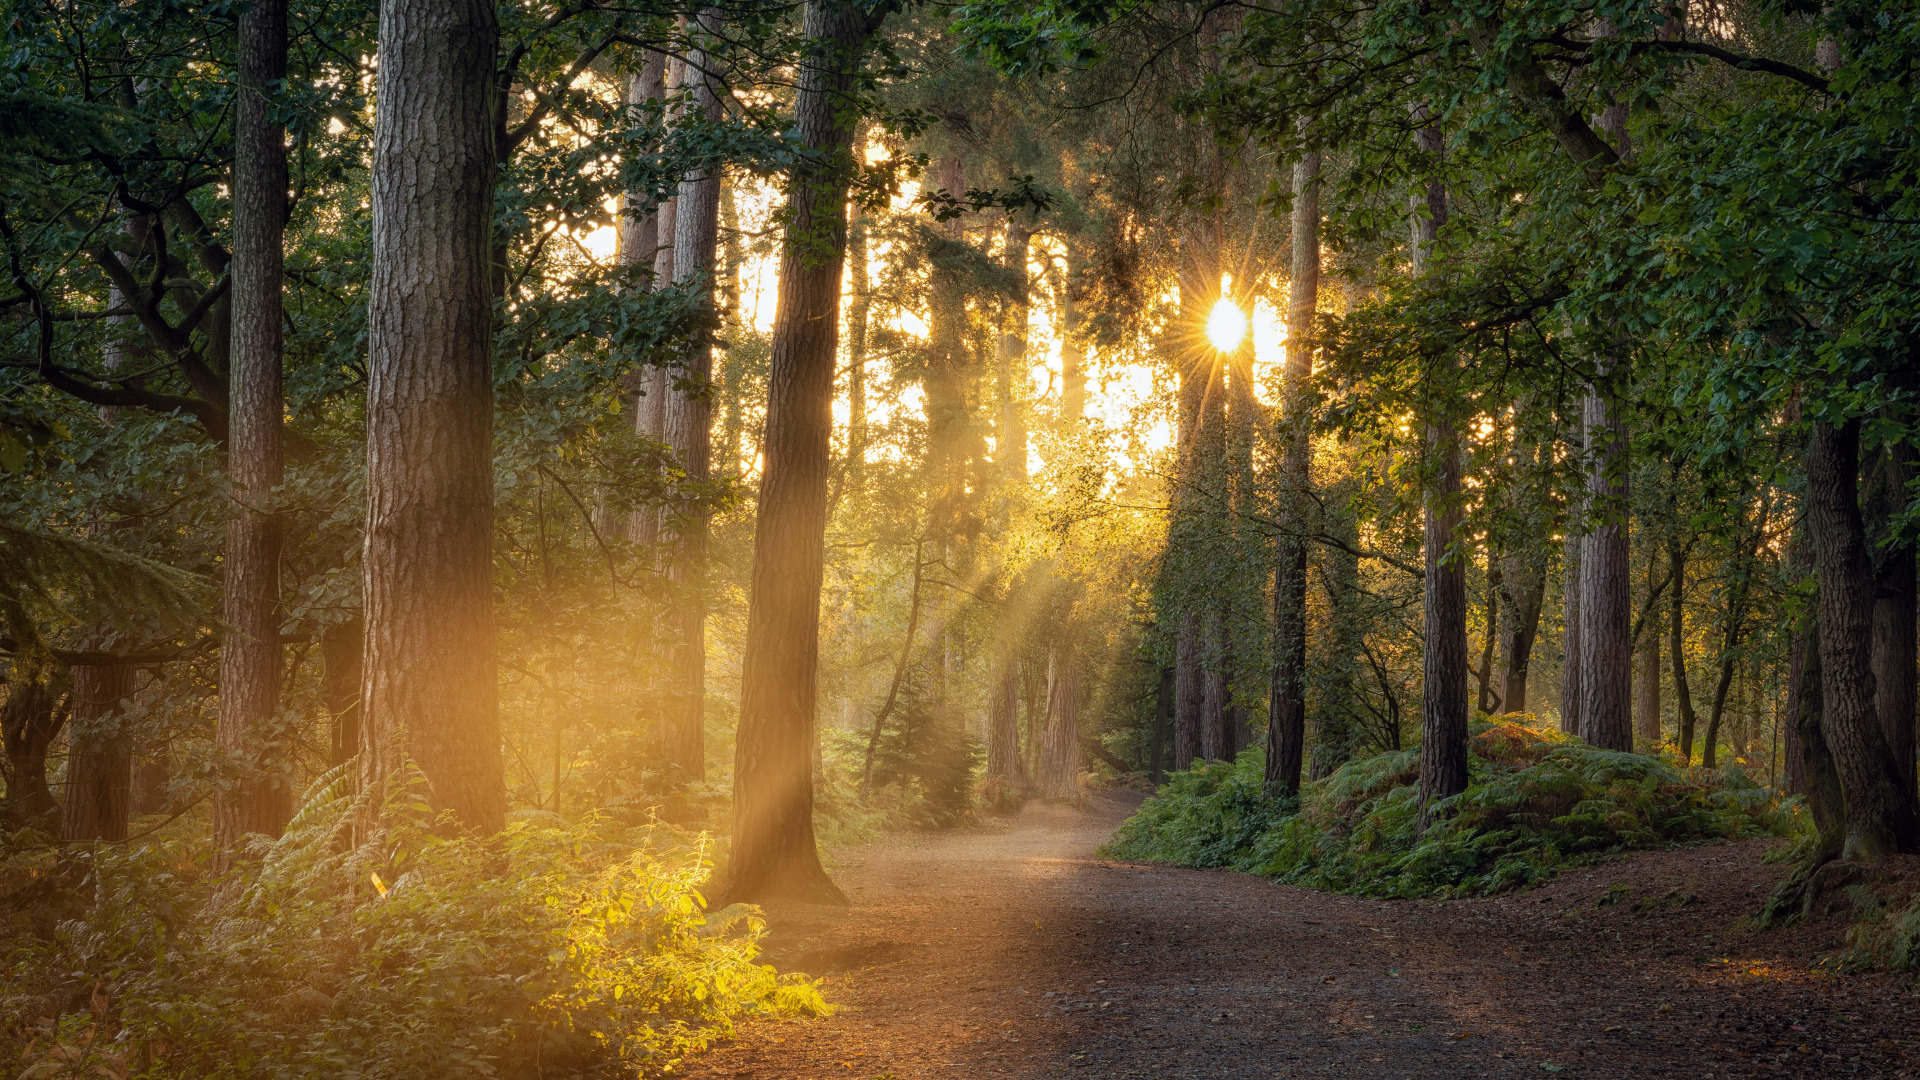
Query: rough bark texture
x=639, y=247
x=1646, y=700
x=1570, y=632
x=1216, y=714
x=1825, y=802
x=29, y=721
x=1443, y=696
x=1189, y=693
x=1889, y=471
x=430, y=689
x=687, y=427
x=1880, y=816
x=259, y=795
x=1060, y=744
x=99, y=791
x=774, y=853
x=1287, y=707
x=1606, y=588
x=1524, y=584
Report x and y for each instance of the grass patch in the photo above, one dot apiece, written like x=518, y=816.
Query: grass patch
x=1537, y=801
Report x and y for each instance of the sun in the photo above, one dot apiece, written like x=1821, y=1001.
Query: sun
x=1226, y=326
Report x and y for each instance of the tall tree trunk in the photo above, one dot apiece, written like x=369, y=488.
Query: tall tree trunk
x=1489, y=701
x=259, y=796
x=639, y=248
x=1646, y=699
x=1826, y=804
x=1443, y=695
x=1889, y=472
x=1006, y=779
x=1524, y=583
x=342, y=650
x=687, y=425
x=1677, y=646
x=1010, y=436
x=1606, y=649
x=1162, y=720
x=1060, y=744
x=774, y=852
x=1880, y=815
x=1189, y=694
x=1570, y=628
x=431, y=694
x=859, y=312
x=1287, y=703
x=1216, y=715
x=30, y=719
x=99, y=791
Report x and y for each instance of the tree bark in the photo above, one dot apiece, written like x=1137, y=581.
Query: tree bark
x=1489, y=701
x=1570, y=630
x=1825, y=802
x=1880, y=815
x=1006, y=779
x=1011, y=429
x=1524, y=583
x=1889, y=472
x=29, y=721
x=431, y=694
x=1287, y=705
x=259, y=796
x=1162, y=720
x=1443, y=695
x=1060, y=744
x=687, y=427
x=1606, y=648
x=774, y=852
x=639, y=248
x=1677, y=646
x=1646, y=700
x=99, y=791
x=1189, y=694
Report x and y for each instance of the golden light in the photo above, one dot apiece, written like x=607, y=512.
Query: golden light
x=1226, y=326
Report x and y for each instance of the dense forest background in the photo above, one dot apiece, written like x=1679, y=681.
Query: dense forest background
x=668, y=435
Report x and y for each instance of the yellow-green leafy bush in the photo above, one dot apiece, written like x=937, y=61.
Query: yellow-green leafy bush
x=553, y=949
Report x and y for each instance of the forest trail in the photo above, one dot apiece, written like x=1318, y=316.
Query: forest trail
x=1008, y=950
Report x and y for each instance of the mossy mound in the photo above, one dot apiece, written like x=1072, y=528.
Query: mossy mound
x=1536, y=801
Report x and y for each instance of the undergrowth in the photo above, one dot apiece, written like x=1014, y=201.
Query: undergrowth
x=553, y=949
x=1536, y=802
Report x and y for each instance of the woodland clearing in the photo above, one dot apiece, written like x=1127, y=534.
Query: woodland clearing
x=1008, y=950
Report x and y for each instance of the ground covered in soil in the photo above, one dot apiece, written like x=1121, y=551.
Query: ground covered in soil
x=1009, y=950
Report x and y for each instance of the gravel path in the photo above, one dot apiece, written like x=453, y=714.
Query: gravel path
x=1008, y=951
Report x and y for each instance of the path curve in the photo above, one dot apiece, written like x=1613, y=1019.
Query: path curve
x=1008, y=951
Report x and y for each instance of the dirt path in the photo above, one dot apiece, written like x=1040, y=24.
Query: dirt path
x=1009, y=951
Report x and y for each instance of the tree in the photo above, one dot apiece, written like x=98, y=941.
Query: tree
x=687, y=423
x=774, y=852
x=261, y=796
x=430, y=692
x=1287, y=714
x=1443, y=699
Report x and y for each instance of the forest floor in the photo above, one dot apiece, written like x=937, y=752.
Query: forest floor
x=1008, y=950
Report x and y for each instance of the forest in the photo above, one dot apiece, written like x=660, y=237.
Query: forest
x=496, y=498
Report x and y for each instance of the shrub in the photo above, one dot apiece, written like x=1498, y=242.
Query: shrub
x=553, y=949
x=1536, y=801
